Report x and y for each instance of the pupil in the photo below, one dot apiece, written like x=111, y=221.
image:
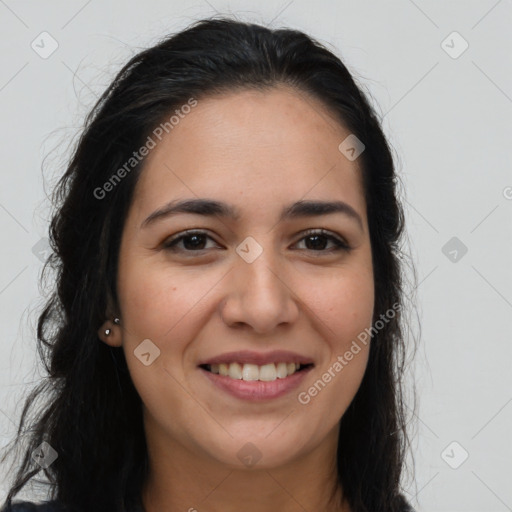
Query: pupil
x=316, y=237
x=319, y=242
x=196, y=245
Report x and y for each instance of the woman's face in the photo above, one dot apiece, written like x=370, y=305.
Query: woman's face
x=254, y=287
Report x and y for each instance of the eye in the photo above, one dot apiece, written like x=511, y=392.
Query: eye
x=319, y=238
x=315, y=240
x=193, y=241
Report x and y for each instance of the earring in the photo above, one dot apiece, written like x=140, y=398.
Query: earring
x=107, y=332
x=117, y=321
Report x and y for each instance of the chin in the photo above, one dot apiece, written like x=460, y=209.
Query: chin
x=256, y=452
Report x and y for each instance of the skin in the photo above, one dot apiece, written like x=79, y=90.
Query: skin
x=258, y=151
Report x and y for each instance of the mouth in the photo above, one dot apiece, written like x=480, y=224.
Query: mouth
x=269, y=372
x=256, y=377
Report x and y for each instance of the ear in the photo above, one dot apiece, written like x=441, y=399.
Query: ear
x=110, y=333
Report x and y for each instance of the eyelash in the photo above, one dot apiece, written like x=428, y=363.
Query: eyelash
x=340, y=245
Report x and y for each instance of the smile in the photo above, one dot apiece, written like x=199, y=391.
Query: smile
x=253, y=372
x=248, y=384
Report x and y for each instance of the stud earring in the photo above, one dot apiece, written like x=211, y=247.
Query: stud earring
x=117, y=321
x=107, y=332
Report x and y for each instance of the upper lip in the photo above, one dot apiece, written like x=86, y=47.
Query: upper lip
x=258, y=358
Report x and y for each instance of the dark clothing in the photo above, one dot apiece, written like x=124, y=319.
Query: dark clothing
x=53, y=506
x=50, y=506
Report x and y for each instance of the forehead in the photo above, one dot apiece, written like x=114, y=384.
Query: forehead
x=252, y=147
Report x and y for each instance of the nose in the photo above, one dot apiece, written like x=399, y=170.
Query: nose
x=259, y=295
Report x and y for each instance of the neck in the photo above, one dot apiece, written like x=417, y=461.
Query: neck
x=180, y=480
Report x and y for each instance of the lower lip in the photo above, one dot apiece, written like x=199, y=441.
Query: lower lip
x=257, y=390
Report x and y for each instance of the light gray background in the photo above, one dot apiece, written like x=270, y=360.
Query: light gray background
x=449, y=122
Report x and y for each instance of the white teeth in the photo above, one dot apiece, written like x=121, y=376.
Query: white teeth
x=268, y=372
x=248, y=372
x=282, y=370
x=235, y=371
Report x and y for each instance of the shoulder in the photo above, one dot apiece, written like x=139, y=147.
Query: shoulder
x=48, y=506
x=27, y=506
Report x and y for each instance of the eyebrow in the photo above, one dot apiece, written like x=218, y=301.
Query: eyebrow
x=210, y=208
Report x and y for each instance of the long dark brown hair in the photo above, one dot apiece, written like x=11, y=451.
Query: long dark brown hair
x=91, y=414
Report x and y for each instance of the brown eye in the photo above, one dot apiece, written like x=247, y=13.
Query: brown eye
x=316, y=240
x=193, y=241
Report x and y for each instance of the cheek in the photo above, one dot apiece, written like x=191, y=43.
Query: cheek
x=345, y=313
x=344, y=303
x=156, y=305
x=344, y=307
x=153, y=299
x=166, y=306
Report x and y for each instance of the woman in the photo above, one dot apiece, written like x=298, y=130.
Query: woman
x=226, y=329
